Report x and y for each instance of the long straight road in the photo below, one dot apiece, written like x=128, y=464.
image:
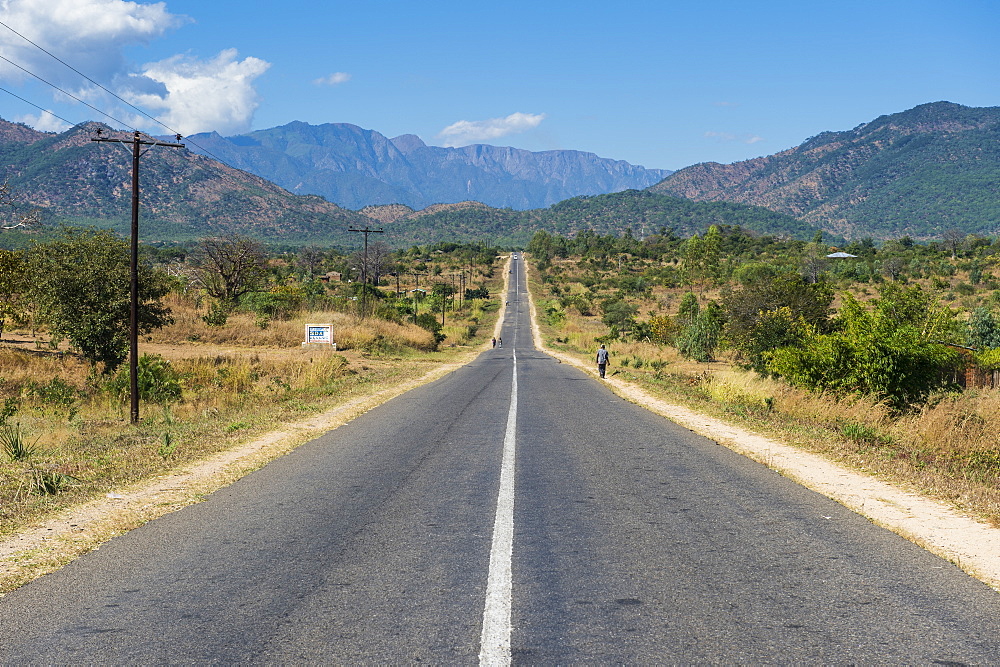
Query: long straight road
x=514, y=510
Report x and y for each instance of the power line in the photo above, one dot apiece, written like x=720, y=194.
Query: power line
x=137, y=143
x=49, y=83
x=42, y=109
x=364, y=267
x=109, y=92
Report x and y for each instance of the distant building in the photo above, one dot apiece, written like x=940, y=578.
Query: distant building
x=331, y=277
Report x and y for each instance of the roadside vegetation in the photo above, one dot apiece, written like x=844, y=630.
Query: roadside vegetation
x=886, y=361
x=222, y=359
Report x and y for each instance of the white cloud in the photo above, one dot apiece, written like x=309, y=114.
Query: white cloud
x=466, y=132
x=186, y=93
x=89, y=34
x=44, y=122
x=722, y=136
x=334, y=79
x=728, y=136
x=200, y=96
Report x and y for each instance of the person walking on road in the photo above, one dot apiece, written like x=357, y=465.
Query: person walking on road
x=602, y=360
x=494, y=342
x=500, y=341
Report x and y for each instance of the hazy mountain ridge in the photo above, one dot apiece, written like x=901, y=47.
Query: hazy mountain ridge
x=918, y=172
x=355, y=167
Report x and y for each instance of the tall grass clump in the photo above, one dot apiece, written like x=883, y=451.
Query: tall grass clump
x=15, y=445
x=743, y=388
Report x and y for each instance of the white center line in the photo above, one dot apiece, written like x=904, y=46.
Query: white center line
x=494, y=646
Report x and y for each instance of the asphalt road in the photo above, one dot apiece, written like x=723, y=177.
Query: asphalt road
x=633, y=541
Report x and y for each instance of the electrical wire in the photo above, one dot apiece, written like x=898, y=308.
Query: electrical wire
x=113, y=94
x=42, y=109
x=68, y=94
x=109, y=92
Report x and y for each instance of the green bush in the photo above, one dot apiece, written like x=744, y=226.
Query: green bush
x=158, y=381
x=890, y=352
x=217, y=315
x=429, y=321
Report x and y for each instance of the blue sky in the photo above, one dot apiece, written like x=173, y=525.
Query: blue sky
x=663, y=84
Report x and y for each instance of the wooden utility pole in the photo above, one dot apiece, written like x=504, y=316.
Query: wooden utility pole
x=364, y=267
x=416, y=287
x=133, y=337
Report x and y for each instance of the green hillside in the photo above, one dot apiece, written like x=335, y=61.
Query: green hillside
x=920, y=173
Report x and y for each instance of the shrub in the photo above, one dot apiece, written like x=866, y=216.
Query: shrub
x=891, y=352
x=217, y=315
x=158, y=381
x=699, y=339
x=430, y=322
x=15, y=448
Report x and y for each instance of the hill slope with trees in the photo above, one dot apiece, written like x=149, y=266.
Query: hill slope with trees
x=917, y=173
x=184, y=196
x=71, y=179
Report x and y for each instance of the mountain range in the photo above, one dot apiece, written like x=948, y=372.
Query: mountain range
x=354, y=167
x=918, y=173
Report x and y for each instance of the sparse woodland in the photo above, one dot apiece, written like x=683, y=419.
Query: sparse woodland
x=221, y=356
x=886, y=360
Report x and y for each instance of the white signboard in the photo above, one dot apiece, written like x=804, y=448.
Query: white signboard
x=319, y=334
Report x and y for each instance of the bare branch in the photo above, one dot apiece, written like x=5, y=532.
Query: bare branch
x=29, y=219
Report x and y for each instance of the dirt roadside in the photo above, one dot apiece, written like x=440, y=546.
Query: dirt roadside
x=973, y=546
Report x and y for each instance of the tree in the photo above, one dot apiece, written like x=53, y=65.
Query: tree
x=13, y=215
x=952, y=239
x=984, y=329
x=688, y=309
x=814, y=261
x=693, y=251
x=13, y=287
x=374, y=265
x=230, y=267
x=80, y=283
x=310, y=259
x=619, y=316
x=891, y=352
x=755, y=321
x=699, y=339
x=892, y=267
x=712, y=252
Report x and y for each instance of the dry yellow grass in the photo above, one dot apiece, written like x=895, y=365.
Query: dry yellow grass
x=246, y=330
x=237, y=380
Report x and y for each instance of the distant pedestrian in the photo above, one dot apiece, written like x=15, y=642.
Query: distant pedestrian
x=499, y=341
x=602, y=360
x=494, y=341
